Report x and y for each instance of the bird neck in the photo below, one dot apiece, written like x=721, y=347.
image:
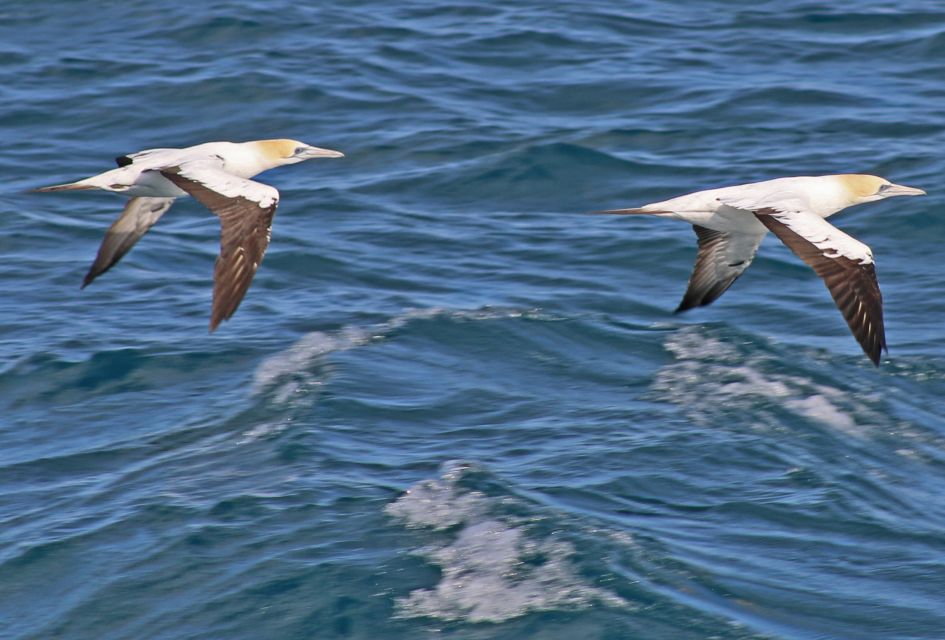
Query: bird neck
x=247, y=161
x=830, y=196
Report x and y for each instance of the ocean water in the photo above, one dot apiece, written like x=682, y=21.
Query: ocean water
x=453, y=403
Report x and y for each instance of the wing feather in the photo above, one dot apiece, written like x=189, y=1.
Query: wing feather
x=846, y=267
x=722, y=258
x=138, y=216
x=246, y=209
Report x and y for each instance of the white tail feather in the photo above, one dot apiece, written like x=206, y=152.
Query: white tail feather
x=70, y=186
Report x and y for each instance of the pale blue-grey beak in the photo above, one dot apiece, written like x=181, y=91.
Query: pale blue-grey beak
x=891, y=190
x=316, y=152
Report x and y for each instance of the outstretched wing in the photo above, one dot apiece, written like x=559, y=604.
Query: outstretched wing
x=722, y=257
x=138, y=216
x=846, y=266
x=246, y=209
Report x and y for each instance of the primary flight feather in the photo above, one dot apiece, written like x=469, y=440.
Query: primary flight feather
x=217, y=175
x=731, y=222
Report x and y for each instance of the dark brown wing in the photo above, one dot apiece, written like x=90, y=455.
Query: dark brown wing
x=246, y=225
x=138, y=216
x=722, y=257
x=845, y=267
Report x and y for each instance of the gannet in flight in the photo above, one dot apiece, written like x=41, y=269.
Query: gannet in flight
x=217, y=175
x=731, y=222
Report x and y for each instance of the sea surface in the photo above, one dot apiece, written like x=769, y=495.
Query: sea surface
x=455, y=404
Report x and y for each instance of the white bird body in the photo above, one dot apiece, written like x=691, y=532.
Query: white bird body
x=731, y=222
x=142, y=177
x=218, y=175
x=724, y=209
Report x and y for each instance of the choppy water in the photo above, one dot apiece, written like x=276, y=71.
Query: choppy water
x=453, y=404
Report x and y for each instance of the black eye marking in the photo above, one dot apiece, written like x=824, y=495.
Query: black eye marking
x=298, y=150
x=883, y=187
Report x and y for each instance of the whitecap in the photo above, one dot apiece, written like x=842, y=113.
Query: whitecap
x=294, y=372
x=492, y=567
x=710, y=377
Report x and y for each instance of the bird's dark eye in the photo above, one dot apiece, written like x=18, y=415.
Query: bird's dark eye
x=883, y=187
x=298, y=150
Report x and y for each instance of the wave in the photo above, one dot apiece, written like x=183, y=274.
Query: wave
x=713, y=377
x=493, y=567
x=294, y=373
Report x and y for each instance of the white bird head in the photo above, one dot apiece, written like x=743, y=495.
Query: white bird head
x=867, y=188
x=282, y=151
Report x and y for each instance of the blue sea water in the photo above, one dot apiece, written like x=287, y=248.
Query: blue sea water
x=453, y=404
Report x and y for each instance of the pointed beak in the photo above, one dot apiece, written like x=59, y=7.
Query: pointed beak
x=316, y=152
x=901, y=190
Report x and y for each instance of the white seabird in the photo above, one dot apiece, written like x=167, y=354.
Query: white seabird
x=731, y=222
x=217, y=175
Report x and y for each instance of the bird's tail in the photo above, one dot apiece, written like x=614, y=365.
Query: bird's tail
x=629, y=212
x=79, y=185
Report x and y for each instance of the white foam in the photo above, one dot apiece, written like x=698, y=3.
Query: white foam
x=819, y=407
x=436, y=505
x=492, y=569
x=711, y=376
x=289, y=374
x=260, y=431
x=300, y=357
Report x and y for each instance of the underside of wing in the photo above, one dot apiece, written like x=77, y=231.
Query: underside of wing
x=846, y=267
x=139, y=215
x=246, y=209
x=722, y=257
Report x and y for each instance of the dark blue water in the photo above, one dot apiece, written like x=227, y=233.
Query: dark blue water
x=453, y=405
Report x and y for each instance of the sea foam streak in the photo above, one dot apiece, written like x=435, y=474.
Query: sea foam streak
x=289, y=372
x=493, y=568
x=710, y=376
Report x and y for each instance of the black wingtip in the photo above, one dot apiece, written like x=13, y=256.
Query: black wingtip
x=93, y=273
x=877, y=357
x=690, y=301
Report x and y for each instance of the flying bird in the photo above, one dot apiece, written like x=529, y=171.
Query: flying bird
x=731, y=222
x=217, y=175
